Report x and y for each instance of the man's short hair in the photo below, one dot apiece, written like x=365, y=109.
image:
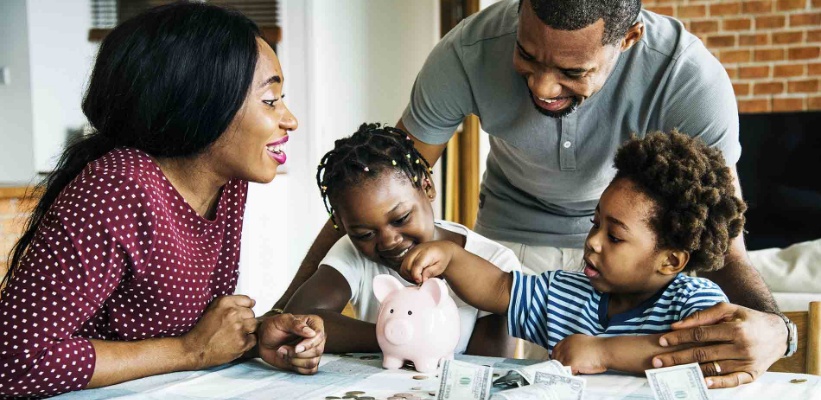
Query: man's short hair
x=571, y=15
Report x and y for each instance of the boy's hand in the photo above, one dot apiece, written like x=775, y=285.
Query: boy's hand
x=427, y=260
x=583, y=354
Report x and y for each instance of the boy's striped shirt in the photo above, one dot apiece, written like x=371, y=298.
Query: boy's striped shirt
x=546, y=308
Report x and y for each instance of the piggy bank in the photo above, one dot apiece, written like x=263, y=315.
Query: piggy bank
x=415, y=323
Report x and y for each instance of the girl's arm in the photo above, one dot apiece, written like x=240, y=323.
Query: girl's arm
x=325, y=294
x=474, y=279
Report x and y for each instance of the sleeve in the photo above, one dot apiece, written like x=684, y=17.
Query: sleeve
x=527, y=312
x=75, y=261
x=345, y=258
x=705, y=295
x=699, y=101
x=441, y=96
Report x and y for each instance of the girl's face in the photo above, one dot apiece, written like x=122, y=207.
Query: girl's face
x=253, y=145
x=386, y=217
x=620, y=251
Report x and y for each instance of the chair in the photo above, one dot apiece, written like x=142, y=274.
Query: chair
x=807, y=359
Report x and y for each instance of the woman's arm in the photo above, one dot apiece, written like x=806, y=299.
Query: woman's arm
x=325, y=294
x=474, y=279
x=490, y=338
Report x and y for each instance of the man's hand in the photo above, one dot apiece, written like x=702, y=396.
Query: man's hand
x=742, y=342
x=292, y=342
x=427, y=260
x=583, y=354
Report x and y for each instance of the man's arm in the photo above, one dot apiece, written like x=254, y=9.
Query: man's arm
x=738, y=278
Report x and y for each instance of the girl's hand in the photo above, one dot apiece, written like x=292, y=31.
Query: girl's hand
x=292, y=342
x=583, y=354
x=224, y=332
x=427, y=260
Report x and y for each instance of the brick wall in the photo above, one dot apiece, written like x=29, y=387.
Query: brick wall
x=770, y=48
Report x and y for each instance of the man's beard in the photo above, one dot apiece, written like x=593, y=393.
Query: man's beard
x=574, y=105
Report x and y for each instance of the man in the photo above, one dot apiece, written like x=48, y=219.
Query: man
x=558, y=85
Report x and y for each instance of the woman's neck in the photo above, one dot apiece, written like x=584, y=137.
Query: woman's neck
x=196, y=182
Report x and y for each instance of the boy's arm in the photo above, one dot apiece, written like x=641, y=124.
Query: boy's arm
x=595, y=354
x=325, y=294
x=474, y=279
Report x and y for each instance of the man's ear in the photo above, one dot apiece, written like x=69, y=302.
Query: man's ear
x=674, y=262
x=633, y=35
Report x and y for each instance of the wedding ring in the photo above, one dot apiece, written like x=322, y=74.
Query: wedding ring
x=717, y=367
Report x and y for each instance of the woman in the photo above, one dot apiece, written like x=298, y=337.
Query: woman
x=128, y=263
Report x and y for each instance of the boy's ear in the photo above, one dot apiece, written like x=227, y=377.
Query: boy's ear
x=674, y=262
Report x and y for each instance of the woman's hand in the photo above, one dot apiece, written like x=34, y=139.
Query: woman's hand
x=743, y=342
x=427, y=260
x=583, y=354
x=223, y=334
x=292, y=342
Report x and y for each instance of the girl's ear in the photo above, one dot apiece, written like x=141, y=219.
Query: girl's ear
x=430, y=191
x=674, y=262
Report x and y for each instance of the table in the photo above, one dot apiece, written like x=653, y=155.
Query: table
x=338, y=374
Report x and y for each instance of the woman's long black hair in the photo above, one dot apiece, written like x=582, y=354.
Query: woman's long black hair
x=168, y=82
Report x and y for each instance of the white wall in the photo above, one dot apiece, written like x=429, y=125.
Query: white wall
x=16, y=143
x=345, y=63
x=61, y=61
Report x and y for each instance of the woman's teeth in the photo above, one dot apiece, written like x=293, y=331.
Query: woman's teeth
x=278, y=149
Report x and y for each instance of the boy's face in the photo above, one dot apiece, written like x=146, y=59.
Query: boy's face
x=620, y=252
x=386, y=217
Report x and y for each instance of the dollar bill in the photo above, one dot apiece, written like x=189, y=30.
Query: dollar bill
x=681, y=382
x=566, y=387
x=464, y=381
x=532, y=392
x=551, y=367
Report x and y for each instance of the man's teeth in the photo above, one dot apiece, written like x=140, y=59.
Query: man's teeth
x=548, y=101
x=279, y=148
x=402, y=254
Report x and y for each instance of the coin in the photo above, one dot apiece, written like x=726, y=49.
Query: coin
x=354, y=393
x=404, y=395
x=366, y=398
x=431, y=393
x=420, y=377
x=332, y=398
x=798, y=381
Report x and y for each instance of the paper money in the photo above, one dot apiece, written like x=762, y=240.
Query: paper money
x=566, y=387
x=532, y=392
x=551, y=367
x=681, y=382
x=464, y=381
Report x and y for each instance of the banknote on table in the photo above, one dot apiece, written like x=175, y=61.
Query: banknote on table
x=566, y=387
x=464, y=381
x=681, y=382
x=552, y=367
x=532, y=392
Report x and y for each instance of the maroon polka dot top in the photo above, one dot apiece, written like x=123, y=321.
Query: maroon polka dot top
x=120, y=255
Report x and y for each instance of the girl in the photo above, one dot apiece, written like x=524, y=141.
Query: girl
x=670, y=209
x=129, y=262
x=377, y=188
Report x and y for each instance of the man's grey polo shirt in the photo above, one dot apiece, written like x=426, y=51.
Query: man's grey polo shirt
x=545, y=175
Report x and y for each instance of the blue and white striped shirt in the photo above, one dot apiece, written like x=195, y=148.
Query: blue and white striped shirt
x=546, y=308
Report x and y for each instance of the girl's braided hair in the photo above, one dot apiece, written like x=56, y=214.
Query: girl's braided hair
x=696, y=208
x=370, y=151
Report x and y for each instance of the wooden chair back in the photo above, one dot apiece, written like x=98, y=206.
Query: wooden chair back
x=807, y=359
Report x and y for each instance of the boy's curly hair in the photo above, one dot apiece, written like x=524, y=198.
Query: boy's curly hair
x=696, y=209
x=370, y=151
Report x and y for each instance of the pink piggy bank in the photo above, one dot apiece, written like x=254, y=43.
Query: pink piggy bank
x=415, y=323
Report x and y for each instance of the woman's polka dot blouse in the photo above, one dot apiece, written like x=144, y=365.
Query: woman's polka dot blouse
x=120, y=255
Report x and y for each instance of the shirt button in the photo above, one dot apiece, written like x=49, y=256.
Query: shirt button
x=567, y=144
